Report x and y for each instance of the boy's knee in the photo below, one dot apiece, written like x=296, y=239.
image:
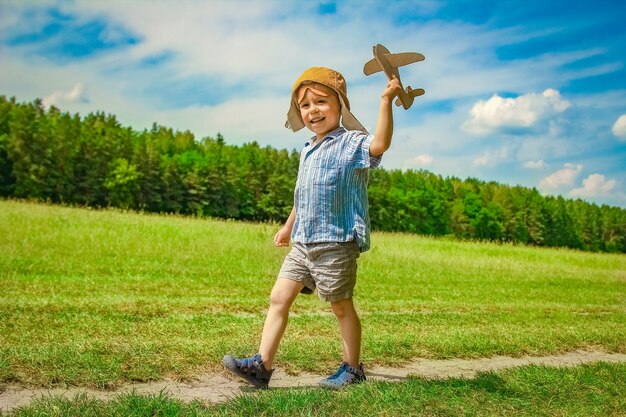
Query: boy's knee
x=278, y=297
x=343, y=308
x=284, y=292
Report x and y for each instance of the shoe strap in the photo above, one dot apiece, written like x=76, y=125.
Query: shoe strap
x=355, y=371
x=251, y=361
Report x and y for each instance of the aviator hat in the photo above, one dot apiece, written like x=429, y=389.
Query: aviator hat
x=332, y=79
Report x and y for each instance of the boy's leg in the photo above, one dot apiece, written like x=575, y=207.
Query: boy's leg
x=283, y=294
x=351, y=370
x=257, y=369
x=350, y=326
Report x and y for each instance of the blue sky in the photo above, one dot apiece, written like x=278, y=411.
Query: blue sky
x=519, y=92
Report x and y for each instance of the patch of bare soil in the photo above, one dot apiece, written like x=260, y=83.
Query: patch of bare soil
x=219, y=387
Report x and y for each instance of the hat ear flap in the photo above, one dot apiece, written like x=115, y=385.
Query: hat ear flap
x=294, y=119
x=348, y=120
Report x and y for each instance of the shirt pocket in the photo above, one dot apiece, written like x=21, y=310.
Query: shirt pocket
x=326, y=172
x=326, y=176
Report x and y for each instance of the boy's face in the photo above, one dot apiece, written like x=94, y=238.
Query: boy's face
x=319, y=107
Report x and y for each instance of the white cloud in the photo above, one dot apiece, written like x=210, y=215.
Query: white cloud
x=619, y=127
x=540, y=164
x=424, y=159
x=75, y=94
x=595, y=185
x=547, y=148
x=525, y=111
x=231, y=41
x=563, y=177
x=491, y=158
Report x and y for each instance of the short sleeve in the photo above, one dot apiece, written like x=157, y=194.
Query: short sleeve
x=360, y=150
x=373, y=161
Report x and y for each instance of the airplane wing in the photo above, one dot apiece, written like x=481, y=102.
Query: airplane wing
x=395, y=60
x=404, y=58
x=372, y=66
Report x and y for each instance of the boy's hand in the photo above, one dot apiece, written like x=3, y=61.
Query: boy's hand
x=282, y=237
x=392, y=90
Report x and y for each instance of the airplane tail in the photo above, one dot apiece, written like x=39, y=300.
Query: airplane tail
x=405, y=99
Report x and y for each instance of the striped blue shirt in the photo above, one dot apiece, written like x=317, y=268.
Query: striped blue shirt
x=331, y=191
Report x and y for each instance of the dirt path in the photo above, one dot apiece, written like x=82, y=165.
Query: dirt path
x=219, y=387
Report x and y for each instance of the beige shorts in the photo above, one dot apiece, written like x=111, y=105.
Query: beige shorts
x=330, y=267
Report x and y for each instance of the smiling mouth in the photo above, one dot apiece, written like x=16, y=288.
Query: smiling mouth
x=316, y=120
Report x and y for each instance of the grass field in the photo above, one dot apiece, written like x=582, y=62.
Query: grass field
x=100, y=298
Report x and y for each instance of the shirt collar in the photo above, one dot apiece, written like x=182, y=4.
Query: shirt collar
x=337, y=132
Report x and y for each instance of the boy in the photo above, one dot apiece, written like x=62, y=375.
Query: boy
x=329, y=222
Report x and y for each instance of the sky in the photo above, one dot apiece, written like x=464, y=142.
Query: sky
x=529, y=93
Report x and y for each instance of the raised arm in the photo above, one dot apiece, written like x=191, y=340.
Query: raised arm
x=384, y=125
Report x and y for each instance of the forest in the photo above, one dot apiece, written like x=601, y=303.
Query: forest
x=62, y=158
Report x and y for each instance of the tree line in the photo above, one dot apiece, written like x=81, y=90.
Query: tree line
x=55, y=156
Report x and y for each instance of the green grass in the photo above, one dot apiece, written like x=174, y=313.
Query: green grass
x=101, y=298
x=588, y=390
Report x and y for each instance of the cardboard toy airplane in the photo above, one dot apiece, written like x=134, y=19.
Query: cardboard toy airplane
x=389, y=63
